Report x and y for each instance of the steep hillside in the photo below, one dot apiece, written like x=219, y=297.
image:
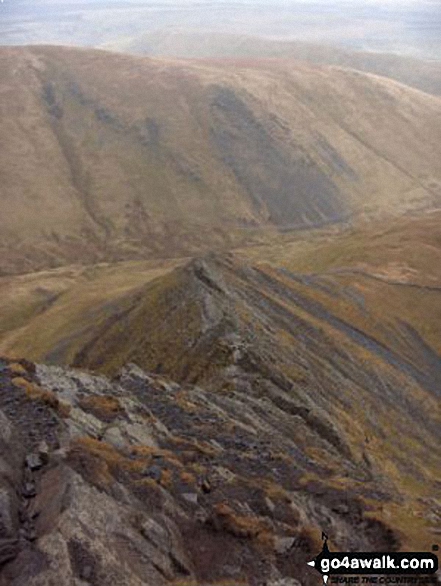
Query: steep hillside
x=110, y=157
x=310, y=424
x=51, y=315
x=139, y=480
x=418, y=73
x=328, y=348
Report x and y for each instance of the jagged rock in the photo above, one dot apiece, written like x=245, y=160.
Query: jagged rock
x=8, y=549
x=34, y=462
x=153, y=531
x=43, y=452
x=283, y=544
x=206, y=272
x=186, y=480
x=28, y=532
x=86, y=573
x=341, y=508
x=206, y=486
x=114, y=437
x=8, y=511
x=81, y=423
x=191, y=497
x=269, y=503
x=5, y=428
x=29, y=490
x=141, y=433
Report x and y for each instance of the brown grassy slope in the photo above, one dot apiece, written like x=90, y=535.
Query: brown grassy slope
x=184, y=324
x=423, y=75
x=394, y=266
x=370, y=276
x=346, y=357
x=412, y=240
x=355, y=361
x=41, y=309
x=341, y=341
x=110, y=157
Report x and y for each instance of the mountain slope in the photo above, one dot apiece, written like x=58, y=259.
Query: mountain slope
x=318, y=358
x=101, y=161
x=417, y=73
x=52, y=315
x=139, y=480
x=288, y=433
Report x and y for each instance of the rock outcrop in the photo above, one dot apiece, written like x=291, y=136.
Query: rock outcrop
x=139, y=480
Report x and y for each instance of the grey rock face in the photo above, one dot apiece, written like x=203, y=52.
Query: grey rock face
x=183, y=487
x=114, y=437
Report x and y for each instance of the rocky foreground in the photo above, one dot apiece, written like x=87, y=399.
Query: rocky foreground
x=138, y=480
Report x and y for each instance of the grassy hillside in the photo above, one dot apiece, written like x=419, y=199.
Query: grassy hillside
x=418, y=73
x=336, y=334
x=394, y=267
x=109, y=157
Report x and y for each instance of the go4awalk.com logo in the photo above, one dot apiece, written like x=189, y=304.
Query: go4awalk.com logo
x=382, y=564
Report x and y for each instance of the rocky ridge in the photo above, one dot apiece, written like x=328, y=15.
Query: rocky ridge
x=138, y=480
